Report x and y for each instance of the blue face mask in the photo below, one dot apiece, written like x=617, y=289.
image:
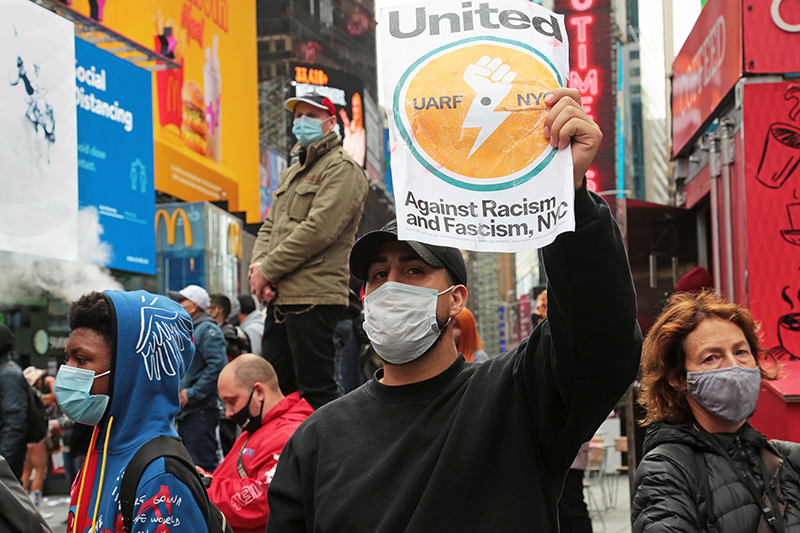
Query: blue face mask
x=307, y=130
x=72, y=394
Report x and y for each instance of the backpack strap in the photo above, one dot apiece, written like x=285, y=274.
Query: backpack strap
x=177, y=462
x=704, y=510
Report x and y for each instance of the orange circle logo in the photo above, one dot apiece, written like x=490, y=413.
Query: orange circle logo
x=472, y=112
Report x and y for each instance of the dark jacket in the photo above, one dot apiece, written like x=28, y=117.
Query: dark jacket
x=13, y=414
x=200, y=380
x=667, y=490
x=479, y=447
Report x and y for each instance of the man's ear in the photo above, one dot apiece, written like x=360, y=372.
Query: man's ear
x=459, y=299
x=332, y=125
x=259, y=390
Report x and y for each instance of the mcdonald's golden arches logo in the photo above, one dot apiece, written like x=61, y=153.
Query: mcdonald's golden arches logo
x=171, y=222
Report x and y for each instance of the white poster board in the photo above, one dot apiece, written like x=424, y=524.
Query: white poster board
x=38, y=132
x=464, y=86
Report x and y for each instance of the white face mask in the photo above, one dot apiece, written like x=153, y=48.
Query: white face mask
x=400, y=321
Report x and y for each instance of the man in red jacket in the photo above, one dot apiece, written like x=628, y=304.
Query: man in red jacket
x=249, y=387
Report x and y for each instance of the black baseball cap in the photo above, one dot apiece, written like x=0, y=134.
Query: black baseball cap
x=439, y=256
x=315, y=99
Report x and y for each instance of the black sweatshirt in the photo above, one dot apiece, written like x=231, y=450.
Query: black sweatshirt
x=480, y=447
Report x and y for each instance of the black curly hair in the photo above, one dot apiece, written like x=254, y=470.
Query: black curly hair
x=92, y=311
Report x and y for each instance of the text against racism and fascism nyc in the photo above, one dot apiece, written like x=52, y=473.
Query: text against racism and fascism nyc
x=464, y=89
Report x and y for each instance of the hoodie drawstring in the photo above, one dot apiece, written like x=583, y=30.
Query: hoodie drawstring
x=83, y=480
x=102, y=474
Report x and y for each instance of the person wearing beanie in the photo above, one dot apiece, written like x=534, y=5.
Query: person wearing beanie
x=13, y=406
x=695, y=281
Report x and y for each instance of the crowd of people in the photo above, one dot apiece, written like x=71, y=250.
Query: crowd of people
x=237, y=395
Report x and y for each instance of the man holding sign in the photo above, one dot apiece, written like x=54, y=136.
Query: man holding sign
x=434, y=443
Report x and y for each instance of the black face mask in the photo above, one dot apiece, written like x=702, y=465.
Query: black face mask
x=245, y=420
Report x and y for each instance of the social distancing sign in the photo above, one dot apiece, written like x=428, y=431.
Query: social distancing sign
x=464, y=86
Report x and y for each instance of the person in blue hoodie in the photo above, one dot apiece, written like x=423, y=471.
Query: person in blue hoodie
x=125, y=357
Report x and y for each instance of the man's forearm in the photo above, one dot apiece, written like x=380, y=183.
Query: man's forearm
x=593, y=337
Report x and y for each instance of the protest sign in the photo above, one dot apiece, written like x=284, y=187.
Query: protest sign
x=464, y=87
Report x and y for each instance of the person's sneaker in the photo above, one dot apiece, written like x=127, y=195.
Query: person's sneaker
x=47, y=515
x=36, y=496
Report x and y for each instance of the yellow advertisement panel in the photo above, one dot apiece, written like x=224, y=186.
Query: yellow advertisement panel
x=206, y=112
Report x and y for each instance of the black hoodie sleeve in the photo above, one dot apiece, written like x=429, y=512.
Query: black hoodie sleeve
x=578, y=364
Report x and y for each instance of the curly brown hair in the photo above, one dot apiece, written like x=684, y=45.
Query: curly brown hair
x=664, y=356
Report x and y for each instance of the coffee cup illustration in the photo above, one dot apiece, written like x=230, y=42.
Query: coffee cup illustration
x=793, y=235
x=781, y=155
x=789, y=333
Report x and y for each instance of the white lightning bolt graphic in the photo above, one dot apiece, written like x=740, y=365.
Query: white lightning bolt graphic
x=488, y=123
x=491, y=80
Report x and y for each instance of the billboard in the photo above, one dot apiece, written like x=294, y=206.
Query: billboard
x=206, y=112
x=767, y=27
x=346, y=92
x=588, y=25
x=705, y=70
x=373, y=119
x=115, y=154
x=38, y=139
x=270, y=169
x=199, y=244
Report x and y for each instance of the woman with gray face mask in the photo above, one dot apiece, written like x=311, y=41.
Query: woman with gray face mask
x=705, y=468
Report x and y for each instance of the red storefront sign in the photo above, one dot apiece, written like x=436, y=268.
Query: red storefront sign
x=588, y=25
x=706, y=69
x=771, y=36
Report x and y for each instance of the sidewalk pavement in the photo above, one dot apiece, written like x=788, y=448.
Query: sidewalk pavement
x=614, y=520
x=617, y=518
x=55, y=508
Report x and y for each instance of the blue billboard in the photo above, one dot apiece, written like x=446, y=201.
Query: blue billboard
x=115, y=154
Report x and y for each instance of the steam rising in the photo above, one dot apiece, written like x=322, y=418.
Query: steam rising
x=25, y=275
